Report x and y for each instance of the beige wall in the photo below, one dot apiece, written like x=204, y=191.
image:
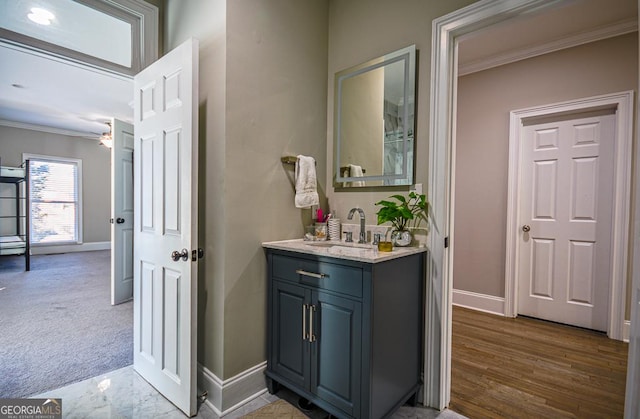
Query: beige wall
x=276, y=106
x=484, y=101
x=360, y=30
x=263, y=72
x=96, y=171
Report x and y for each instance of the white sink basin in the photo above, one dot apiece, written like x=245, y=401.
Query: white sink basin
x=345, y=248
x=347, y=245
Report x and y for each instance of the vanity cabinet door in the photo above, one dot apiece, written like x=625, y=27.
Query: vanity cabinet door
x=336, y=351
x=290, y=348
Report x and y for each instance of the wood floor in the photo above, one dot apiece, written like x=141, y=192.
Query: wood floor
x=527, y=368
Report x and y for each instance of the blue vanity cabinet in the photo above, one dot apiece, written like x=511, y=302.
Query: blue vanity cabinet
x=317, y=339
x=346, y=335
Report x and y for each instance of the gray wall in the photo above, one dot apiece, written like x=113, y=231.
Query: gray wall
x=482, y=145
x=96, y=171
x=263, y=72
x=205, y=20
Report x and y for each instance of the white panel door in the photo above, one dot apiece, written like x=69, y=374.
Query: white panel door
x=565, y=213
x=121, y=212
x=165, y=224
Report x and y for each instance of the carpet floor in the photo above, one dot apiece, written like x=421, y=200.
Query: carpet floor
x=57, y=325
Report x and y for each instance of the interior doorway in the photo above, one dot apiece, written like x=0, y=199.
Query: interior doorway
x=538, y=256
x=447, y=33
x=591, y=201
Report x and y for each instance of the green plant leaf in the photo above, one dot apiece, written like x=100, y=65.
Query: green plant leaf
x=386, y=203
x=399, y=198
x=401, y=213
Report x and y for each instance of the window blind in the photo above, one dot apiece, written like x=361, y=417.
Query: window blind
x=54, y=201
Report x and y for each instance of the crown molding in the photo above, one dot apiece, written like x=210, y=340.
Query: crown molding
x=603, y=32
x=50, y=130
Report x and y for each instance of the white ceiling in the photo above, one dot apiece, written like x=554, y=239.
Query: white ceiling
x=42, y=91
x=45, y=92
x=39, y=90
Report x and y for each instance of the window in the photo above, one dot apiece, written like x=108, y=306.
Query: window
x=125, y=43
x=55, y=195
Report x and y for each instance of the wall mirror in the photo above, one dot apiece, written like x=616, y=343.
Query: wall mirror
x=374, y=122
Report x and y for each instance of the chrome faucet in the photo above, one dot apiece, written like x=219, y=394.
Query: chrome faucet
x=363, y=234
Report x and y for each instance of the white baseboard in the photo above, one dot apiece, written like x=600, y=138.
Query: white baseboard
x=626, y=329
x=480, y=302
x=68, y=248
x=226, y=396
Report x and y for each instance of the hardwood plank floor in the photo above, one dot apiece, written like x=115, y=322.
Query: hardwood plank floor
x=527, y=368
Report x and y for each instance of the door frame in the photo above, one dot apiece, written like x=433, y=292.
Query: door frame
x=623, y=104
x=446, y=32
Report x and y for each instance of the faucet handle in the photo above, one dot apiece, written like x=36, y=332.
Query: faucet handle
x=349, y=236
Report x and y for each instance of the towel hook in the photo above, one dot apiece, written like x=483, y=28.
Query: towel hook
x=289, y=159
x=292, y=160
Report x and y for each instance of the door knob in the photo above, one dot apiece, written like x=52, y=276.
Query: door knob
x=526, y=228
x=119, y=220
x=177, y=255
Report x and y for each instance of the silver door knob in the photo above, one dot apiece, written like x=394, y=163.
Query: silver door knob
x=526, y=228
x=176, y=255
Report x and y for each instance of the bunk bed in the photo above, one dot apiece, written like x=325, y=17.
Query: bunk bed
x=14, y=212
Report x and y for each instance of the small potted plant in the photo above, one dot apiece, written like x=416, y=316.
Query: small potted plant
x=403, y=214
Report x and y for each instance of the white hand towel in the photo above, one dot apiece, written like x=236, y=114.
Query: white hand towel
x=356, y=171
x=306, y=186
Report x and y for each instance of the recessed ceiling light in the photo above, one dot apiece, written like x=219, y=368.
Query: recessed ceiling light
x=41, y=16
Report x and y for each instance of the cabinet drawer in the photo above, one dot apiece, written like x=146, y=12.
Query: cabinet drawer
x=322, y=275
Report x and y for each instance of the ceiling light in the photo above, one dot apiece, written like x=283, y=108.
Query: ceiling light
x=41, y=16
x=106, y=139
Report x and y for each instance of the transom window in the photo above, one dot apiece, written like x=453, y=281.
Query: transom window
x=55, y=195
x=118, y=36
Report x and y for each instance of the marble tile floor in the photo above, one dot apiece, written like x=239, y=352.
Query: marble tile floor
x=123, y=394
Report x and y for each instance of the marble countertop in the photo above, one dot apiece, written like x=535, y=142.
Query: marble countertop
x=342, y=250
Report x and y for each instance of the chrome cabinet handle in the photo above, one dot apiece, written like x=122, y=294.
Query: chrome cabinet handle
x=304, y=321
x=311, y=274
x=176, y=255
x=526, y=228
x=312, y=337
